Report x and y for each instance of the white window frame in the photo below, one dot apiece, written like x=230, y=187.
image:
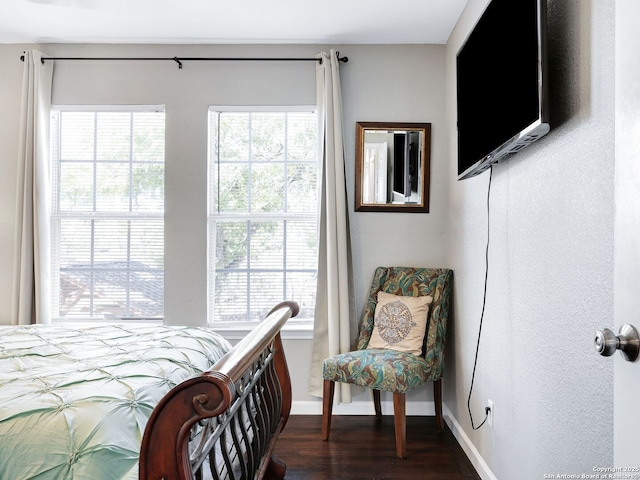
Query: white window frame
x=55, y=216
x=299, y=328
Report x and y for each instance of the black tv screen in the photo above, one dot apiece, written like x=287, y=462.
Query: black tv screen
x=501, y=87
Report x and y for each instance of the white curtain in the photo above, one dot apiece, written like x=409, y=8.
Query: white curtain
x=31, y=282
x=334, y=301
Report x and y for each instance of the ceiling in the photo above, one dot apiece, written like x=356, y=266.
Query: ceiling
x=229, y=21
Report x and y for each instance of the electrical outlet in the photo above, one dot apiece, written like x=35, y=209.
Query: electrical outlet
x=492, y=412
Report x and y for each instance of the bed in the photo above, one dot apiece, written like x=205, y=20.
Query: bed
x=142, y=401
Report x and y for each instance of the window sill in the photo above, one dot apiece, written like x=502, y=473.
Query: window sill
x=234, y=331
x=289, y=332
x=106, y=321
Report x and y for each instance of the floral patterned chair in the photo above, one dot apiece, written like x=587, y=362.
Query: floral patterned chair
x=387, y=369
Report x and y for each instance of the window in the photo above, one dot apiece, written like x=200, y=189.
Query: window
x=262, y=231
x=107, y=229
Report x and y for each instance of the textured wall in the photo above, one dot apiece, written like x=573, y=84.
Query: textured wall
x=627, y=234
x=550, y=266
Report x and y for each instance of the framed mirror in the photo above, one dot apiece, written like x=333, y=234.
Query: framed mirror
x=392, y=167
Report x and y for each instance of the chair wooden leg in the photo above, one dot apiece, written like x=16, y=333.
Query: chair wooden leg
x=327, y=407
x=376, y=403
x=437, y=399
x=400, y=422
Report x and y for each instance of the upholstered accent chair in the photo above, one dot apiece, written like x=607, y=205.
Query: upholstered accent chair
x=387, y=369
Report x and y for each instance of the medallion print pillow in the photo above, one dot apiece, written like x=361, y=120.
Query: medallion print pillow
x=399, y=322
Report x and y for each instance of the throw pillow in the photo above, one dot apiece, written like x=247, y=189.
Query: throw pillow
x=400, y=322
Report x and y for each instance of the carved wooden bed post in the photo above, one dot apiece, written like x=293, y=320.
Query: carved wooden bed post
x=227, y=419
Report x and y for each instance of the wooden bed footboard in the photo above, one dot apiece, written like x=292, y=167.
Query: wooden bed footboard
x=223, y=424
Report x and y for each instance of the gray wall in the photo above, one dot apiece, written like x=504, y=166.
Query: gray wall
x=380, y=83
x=550, y=281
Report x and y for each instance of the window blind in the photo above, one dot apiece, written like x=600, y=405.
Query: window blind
x=262, y=231
x=107, y=213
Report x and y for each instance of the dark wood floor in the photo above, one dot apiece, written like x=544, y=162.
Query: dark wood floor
x=361, y=447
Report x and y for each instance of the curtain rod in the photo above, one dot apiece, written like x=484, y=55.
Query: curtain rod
x=179, y=60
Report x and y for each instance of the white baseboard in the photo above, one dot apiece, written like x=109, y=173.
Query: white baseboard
x=413, y=409
x=361, y=408
x=472, y=453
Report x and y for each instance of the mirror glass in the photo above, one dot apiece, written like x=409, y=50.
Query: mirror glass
x=392, y=166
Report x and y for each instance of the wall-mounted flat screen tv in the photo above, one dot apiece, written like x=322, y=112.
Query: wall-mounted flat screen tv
x=501, y=84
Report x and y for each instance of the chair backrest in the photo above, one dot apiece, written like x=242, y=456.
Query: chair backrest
x=415, y=282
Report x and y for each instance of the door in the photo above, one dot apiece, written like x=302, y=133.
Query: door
x=375, y=171
x=627, y=229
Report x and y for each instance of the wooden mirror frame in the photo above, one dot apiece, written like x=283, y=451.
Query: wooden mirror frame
x=423, y=175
